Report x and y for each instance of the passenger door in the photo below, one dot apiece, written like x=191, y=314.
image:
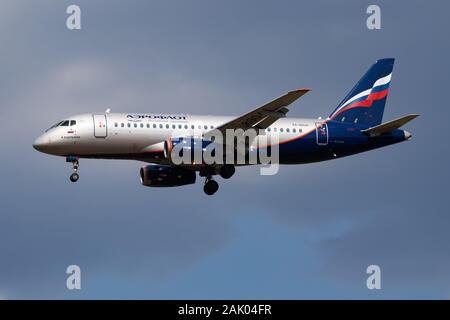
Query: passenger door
x=100, y=126
x=321, y=134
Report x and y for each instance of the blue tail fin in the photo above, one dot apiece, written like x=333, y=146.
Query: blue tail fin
x=365, y=102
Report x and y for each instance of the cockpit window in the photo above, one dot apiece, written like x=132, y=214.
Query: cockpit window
x=64, y=123
x=54, y=126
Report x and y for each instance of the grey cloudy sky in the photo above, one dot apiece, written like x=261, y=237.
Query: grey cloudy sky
x=308, y=232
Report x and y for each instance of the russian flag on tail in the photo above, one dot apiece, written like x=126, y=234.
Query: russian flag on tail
x=365, y=102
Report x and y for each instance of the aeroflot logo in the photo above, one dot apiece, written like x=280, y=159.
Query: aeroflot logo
x=153, y=116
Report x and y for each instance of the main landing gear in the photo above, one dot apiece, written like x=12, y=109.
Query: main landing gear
x=211, y=186
x=75, y=164
x=227, y=171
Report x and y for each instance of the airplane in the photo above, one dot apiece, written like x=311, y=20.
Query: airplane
x=354, y=126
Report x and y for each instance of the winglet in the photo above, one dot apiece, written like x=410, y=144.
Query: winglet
x=291, y=96
x=302, y=89
x=299, y=91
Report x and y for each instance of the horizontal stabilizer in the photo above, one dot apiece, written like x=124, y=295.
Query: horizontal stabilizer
x=389, y=126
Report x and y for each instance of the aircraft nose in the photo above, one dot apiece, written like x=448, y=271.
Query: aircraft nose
x=39, y=144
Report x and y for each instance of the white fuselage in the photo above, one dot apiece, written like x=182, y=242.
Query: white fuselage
x=128, y=136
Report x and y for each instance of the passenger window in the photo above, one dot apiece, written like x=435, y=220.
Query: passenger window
x=154, y=126
x=294, y=130
x=192, y=127
x=122, y=125
x=281, y=129
x=268, y=129
x=167, y=126
x=73, y=122
x=287, y=129
x=160, y=126
x=174, y=126
x=65, y=123
x=148, y=125
x=116, y=124
x=186, y=126
x=206, y=127
x=128, y=125
x=142, y=125
x=199, y=127
x=180, y=126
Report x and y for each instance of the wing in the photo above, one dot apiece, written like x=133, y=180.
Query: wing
x=265, y=115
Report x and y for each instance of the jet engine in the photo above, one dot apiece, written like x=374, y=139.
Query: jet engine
x=166, y=176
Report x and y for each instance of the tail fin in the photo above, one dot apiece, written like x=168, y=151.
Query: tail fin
x=365, y=102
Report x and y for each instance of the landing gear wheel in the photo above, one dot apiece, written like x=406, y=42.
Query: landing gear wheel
x=74, y=177
x=75, y=164
x=211, y=187
x=227, y=171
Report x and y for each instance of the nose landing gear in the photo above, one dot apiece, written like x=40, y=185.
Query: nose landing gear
x=211, y=186
x=74, y=177
x=75, y=164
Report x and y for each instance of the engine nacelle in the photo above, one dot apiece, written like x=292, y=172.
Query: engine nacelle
x=166, y=176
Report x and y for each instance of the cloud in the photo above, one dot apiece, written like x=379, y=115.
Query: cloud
x=386, y=207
